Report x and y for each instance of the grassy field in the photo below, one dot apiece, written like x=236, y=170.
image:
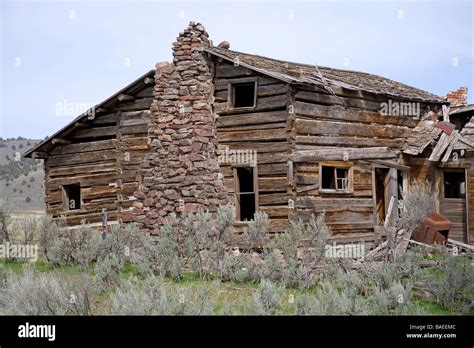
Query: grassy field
x=123, y=273
x=223, y=294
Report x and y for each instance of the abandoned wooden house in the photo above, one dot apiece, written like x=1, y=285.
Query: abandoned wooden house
x=217, y=126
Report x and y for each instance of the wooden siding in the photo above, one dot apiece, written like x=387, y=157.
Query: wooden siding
x=323, y=121
x=262, y=129
x=103, y=157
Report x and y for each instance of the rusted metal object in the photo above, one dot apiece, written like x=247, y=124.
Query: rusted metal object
x=435, y=230
x=446, y=127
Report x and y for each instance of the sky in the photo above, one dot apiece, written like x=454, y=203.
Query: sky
x=60, y=57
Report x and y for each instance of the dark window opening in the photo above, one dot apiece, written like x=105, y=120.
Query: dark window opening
x=460, y=120
x=454, y=184
x=246, y=193
x=73, y=196
x=243, y=94
x=333, y=178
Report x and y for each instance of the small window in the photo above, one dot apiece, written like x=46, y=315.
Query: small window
x=72, y=196
x=454, y=184
x=246, y=195
x=243, y=95
x=335, y=178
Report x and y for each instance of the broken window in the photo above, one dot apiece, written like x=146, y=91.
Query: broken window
x=246, y=195
x=335, y=178
x=243, y=94
x=72, y=196
x=454, y=184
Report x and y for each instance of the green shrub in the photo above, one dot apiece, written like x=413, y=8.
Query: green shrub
x=267, y=298
x=302, y=248
x=453, y=283
x=107, y=272
x=45, y=294
x=152, y=297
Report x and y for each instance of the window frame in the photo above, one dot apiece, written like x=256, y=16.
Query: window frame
x=66, y=198
x=237, y=189
x=337, y=165
x=454, y=170
x=231, y=92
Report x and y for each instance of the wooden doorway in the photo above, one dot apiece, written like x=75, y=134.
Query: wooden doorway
x=453, y=202
x=388, y=183
x=385, y=186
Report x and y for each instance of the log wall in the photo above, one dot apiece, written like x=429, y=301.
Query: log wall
x=103, y=157
x=348, y=120
x=263, y=129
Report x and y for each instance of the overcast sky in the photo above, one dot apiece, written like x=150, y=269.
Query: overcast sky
x=77, y=53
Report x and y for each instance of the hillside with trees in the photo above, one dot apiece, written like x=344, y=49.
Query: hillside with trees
x=21, y=179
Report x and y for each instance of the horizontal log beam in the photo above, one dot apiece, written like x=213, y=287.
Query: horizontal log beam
x=123, y=97
x=346, y=154
x=60, y=141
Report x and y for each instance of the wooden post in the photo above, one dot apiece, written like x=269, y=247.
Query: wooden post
x=391, y=192
x=104, y=222
x=445, y=113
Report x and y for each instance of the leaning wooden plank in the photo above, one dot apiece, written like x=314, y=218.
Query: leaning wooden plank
x=307, y=188
x=388, y=218
x=466, y=141
x=453, y=142
x=402, y=244
x=389, y=164
x=441, y=146
x=461, y=245
x=343, y=154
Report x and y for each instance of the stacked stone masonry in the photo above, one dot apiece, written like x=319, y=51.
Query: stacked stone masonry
x=181, y=171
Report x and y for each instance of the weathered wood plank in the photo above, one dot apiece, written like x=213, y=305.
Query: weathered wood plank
x=347, y=154
x=252, y=119
x=258, y=135
x=81, y=157
x=310, y=127
x=337, y=140
x=351, y=115
x=84, y=147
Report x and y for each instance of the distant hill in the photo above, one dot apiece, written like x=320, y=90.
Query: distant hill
x=21, y=179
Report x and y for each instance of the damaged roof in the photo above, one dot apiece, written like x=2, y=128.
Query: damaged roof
x=427, y=132
x=324, y=76
x=320, y=76
x=461, y=109
x=421, y=136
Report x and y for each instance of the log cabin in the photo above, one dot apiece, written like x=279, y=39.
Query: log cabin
x=216, y=126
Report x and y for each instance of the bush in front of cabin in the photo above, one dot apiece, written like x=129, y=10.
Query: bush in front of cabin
x=418, y=201
x=32, y=293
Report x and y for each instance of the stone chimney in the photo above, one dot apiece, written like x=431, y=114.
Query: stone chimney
x=457, y=97
x=181, y=171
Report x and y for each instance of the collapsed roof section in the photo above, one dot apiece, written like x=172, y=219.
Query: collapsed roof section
x=443, y=138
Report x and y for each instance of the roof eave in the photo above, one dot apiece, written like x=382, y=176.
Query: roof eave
x=112, y=99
